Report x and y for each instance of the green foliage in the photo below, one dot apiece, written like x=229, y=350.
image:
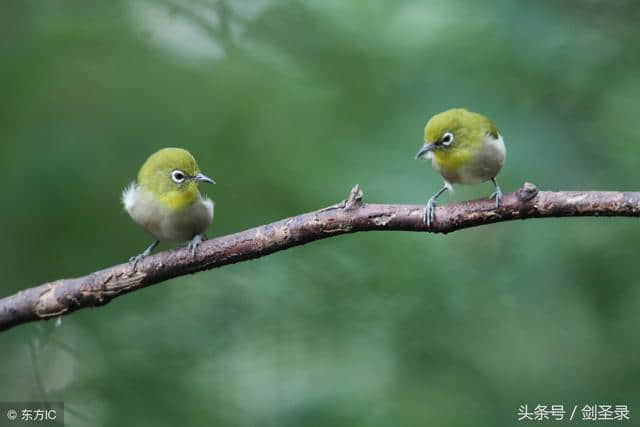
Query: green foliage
x=288, y=104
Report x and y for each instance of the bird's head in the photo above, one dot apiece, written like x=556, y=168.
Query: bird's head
x=454, y=130
x=172, y=175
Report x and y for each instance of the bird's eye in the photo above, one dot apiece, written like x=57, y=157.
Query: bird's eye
x=447, y=138
x=177, y=176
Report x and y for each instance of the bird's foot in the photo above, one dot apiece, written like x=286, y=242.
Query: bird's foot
x=195, y=242
x=497, y=194
x=430, y=212
x=133, y=261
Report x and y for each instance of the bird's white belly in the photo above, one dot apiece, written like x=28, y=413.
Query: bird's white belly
x=164, y=223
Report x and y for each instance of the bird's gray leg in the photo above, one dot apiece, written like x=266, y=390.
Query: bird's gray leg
x=134, y=259
x=195, y=242
x=430, y=208
x=497, y=194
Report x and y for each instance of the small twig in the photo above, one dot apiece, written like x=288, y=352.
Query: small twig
x=64, y=296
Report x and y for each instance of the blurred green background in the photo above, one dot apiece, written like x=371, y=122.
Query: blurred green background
x=289, y=104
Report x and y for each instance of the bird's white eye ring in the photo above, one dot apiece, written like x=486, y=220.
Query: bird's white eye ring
x=447, y=138
x=178, y=176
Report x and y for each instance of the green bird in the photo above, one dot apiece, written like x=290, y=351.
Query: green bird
x=166, y=201
x=465, y=148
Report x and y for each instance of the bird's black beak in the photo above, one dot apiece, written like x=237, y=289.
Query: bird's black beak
x=424, y=150
x=203, y=178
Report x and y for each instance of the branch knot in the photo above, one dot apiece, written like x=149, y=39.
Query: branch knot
x=527, y=192
x=354, y=201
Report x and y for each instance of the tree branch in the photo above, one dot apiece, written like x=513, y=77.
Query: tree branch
x=352, y=215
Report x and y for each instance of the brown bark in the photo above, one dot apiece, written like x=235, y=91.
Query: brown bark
x=64, y=296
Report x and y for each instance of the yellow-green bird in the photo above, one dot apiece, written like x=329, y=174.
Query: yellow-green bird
x=465, y=148
x=166, y=201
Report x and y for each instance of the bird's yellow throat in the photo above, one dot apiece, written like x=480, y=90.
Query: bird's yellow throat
x=452, y=160
x=180, y=199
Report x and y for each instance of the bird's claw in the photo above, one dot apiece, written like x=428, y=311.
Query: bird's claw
x=429, y=212
x=195, y=242
x=133, y=261
x=497, y=194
